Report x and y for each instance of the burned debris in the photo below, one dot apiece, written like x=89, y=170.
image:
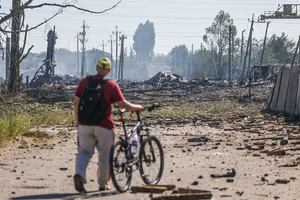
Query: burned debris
x=46, y=72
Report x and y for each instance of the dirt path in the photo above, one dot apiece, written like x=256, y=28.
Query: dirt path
x=45, y=171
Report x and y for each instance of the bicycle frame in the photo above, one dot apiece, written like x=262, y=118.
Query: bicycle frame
x=137, y=128
x=121, y=165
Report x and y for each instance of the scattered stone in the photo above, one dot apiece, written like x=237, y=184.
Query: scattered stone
x=228, y=174
x=284, y=142
x=195, y=183
x=229, y=180
x=282, y=181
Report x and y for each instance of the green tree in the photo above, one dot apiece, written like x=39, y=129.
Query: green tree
x=281, y=47
x=144, y=41
x=179, y=55
x=202, y=63
x=218, y=35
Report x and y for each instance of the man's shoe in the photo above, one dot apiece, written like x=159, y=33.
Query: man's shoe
x=104, y=187
x=78, y=183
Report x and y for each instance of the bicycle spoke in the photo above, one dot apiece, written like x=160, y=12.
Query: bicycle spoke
x=121, y=171
x=151, y=161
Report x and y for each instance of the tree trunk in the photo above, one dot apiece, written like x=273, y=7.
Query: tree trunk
x=14, y=77
x=219, y=61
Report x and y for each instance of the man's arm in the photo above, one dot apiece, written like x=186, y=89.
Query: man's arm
x=76, y=102
x=129, y=106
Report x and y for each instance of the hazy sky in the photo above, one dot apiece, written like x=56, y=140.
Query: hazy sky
x=176, y=22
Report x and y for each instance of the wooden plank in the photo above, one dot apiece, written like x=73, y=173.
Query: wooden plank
x=148, y=189
x=297, y=111
x=283, y=89
x=290, y=105
x=184, y=197
x=191, y=191
x=169, y=186
x=274, y=98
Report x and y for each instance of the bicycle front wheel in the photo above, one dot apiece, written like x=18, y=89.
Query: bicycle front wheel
x=120, y=169
x=151, y=160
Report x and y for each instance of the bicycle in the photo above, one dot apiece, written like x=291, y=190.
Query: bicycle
x=150, y=159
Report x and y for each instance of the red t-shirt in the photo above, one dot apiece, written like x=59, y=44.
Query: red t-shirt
x=111, y=92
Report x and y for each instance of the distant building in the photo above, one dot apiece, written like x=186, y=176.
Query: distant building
x=92, y=56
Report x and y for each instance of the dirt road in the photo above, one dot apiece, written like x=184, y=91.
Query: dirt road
x=44, y=170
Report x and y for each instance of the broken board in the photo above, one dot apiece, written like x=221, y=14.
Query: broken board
x=274, y=99
x=283, y=89
x=290, y=104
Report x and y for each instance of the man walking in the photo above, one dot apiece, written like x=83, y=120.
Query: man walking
x=98, y=136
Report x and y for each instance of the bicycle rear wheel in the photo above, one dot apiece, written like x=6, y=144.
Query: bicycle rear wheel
x=151, y=160
x=120, y=169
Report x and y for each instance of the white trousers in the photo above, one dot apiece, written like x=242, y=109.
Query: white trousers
x=90, y=137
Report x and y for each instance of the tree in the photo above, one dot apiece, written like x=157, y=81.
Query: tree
x=144, y=41
x=202, y=63
x=218, y=34
x=17, y=15
x=179, y=55
x=282, y=48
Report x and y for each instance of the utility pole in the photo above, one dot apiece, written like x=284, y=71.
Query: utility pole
x=122, y=38
x=83, y=63
x=111, y=56
x=192, y=60
x=200, y=64
x=116, y=49
x=212, y=61
x=262, y=55
x=249, y=57
x=229, y=64
x=77, y=64
x=7, y=52
x=248, y=43
x=242, y=46
x=103, y=48
x=232, y=55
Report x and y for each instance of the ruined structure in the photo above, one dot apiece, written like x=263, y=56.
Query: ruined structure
x=285, y=96
x=46, y=71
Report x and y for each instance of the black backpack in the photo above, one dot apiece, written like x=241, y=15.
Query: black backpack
x=90, y=108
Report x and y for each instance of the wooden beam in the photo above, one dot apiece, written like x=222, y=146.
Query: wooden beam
x=152, y=189
x=184, y=197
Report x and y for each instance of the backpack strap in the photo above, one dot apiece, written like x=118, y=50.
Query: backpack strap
x=102, y=80
x=90, y=81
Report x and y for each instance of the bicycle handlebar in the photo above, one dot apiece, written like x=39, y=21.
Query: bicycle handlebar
x=123, y=110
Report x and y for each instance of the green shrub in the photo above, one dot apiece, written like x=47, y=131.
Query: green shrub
x=18, y=119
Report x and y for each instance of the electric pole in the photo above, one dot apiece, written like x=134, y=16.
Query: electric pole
x=248, y=44
x=229, y=64
x=83, y=40
x=103, y=48
x=262, y=55
x=122, y=38
x=77, y=64
x=111, y=56
x=192, y=60
x=212, y=61
x=117, y=32
x=242, y=46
